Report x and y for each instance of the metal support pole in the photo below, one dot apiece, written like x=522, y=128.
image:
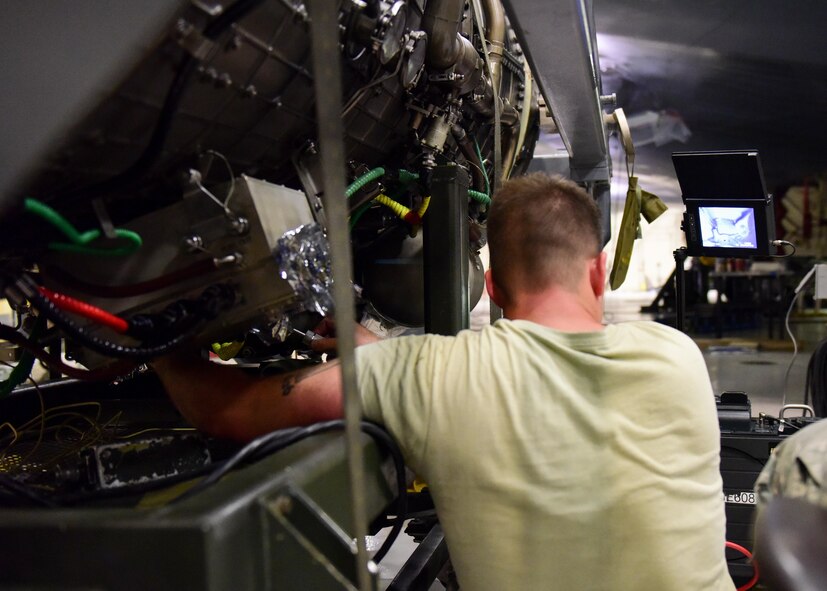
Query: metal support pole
x=327, y=79
x=680, y=289
x=446, y=255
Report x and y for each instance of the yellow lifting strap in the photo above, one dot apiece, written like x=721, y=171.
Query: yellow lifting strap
x=638, y=202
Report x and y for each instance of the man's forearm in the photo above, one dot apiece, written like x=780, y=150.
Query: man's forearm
x=226, y=402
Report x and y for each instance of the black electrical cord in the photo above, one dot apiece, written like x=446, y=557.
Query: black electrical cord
x=97, y=344
x=380, y=434
x=744, y=453
x=109, y=348
x=783, y=243
x=160, y=133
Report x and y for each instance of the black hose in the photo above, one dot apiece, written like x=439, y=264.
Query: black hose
x=380, y=434
x=102, y=346
x=160, y=133
x=153, y=149
x=90, y=341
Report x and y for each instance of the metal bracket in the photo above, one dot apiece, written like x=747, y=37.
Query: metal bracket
x=191, y=40
x=804, y=408
x=103, y=219
x=320, y=536
x=212, y=10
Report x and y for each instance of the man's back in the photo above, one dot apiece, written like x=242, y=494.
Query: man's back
x=561, y=460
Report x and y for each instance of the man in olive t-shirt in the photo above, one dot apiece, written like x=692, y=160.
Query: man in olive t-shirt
x=561, y=453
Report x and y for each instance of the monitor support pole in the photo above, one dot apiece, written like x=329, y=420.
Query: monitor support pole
x=680, y=289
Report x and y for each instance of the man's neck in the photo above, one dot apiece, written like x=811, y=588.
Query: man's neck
x=558, y=309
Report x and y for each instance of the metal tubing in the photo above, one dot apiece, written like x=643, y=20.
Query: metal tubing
x=467, y=149
x=324, y=28
x=441, y=23
x=446, y=256
x=495, y=29
x=498, y=160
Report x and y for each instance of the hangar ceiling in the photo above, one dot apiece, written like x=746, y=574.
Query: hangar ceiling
x=739, y=73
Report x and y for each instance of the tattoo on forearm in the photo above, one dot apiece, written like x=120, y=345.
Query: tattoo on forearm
x=292, y=380
x=288, y=384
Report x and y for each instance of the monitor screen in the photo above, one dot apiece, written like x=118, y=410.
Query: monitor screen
x=728, y=227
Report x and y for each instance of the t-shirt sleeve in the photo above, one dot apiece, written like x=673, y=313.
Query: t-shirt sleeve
x=396, y=380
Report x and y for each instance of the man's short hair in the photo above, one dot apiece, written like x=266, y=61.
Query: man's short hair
x=539, y=228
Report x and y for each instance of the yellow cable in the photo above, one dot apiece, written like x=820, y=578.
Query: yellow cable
x=424, y=207
x=42, y=418
x=400, y=210
x=53, y=409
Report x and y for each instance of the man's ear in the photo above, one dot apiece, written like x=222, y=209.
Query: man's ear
x=597, y=274
x=494, y=292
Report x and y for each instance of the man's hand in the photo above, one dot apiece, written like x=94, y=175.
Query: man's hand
x=327, y=330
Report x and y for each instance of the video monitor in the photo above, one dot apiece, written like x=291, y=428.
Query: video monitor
x=727, y=227
x=732, y=174
x=727, y=213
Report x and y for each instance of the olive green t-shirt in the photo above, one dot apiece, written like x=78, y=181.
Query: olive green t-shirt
x=556, y=460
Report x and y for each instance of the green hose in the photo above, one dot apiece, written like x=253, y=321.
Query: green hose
x=363, y=180
x=479, y=197
x=406, y=176
x=79, y=242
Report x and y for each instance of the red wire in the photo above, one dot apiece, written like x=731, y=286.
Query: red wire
x=70, y=304
x=751, y=583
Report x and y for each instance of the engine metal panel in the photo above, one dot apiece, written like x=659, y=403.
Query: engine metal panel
x=196, y=230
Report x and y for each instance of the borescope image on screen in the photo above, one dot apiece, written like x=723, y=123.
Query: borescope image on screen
x=728, y=227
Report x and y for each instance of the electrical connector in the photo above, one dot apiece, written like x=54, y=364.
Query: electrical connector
x=307, y=337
